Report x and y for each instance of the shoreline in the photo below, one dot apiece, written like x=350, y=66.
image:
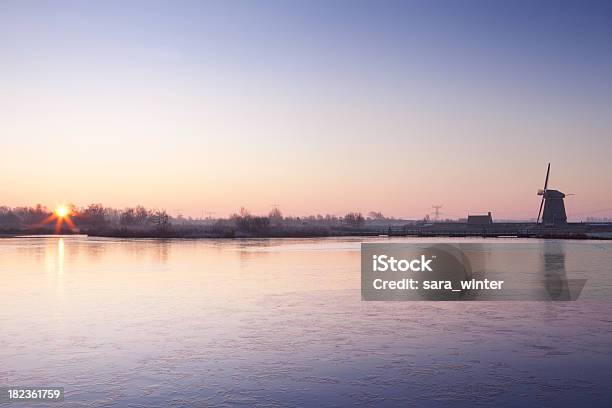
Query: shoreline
x=577, y=231
x=357, y=234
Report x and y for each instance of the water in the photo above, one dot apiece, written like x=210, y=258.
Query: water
x=149, y=323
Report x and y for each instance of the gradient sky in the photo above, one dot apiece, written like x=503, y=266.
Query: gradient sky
x=319, y=107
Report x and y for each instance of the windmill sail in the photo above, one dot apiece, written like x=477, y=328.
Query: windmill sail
x=543, y=193
x=552, y=207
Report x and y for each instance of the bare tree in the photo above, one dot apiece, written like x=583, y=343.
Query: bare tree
x=161, y=220
x=354, y=219
x=276, y=217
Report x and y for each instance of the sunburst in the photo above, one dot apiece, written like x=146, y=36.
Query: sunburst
x=60, y=215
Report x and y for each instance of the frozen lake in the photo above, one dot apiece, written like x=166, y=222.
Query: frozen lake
x=190, y=323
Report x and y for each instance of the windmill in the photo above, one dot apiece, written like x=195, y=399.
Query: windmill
x=554, y=207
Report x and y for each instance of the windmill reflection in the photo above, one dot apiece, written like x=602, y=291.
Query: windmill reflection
x=555, y=275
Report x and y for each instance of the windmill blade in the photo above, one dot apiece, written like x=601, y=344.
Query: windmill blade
x=540, y=212
x=546, y=181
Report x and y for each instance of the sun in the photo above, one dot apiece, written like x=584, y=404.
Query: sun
x=61, y=214
x=62, y=211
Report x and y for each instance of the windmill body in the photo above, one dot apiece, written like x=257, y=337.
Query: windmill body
x=554, y=208
x=553, y=204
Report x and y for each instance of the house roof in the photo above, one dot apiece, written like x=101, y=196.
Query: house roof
x=479, y=219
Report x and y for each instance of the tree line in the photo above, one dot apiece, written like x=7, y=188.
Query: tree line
x=135, y=221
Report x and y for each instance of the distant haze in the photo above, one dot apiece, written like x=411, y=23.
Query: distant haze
x=314, y=106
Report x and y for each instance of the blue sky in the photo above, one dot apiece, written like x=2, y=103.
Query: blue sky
x=317, y=106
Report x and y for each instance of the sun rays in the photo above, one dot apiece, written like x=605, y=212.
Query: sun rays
x=61, y=214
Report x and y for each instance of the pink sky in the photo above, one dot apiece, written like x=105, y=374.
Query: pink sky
x=390, y=110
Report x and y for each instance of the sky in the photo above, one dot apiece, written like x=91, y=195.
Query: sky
x=313, y=106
